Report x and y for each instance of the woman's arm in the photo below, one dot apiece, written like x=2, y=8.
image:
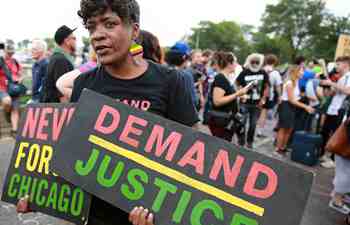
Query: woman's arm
x=219, y=98
x=292, y=100
x=65, y=83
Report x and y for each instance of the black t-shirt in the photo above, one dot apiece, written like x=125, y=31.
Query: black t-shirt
x=159, y=90
x=222, y=82
x=58, y=66
x=256, y=93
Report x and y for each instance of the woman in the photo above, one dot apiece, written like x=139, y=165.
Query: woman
x=287, y=110
x=224, y=96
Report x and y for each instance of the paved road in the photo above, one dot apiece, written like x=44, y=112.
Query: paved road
x=317, y=212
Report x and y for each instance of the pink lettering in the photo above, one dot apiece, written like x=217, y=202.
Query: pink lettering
x=135, y=104
x=197, y=149
x=222, y=162
x=272, y=181
x=70, y=114
x=145, y=105
x=58, y=122
x=171, y=143
x=102, y=118
x=43, y=123
x=130, y=129
x=31, y=122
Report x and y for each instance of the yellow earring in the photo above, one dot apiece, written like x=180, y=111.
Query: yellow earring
x=136, y=49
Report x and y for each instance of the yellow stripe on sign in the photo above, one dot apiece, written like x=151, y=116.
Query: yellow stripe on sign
x=176, y=175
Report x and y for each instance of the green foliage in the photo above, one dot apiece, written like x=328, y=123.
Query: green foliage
x=289, y=28
x=50, y=43
x=306, y=25
x=226, y=36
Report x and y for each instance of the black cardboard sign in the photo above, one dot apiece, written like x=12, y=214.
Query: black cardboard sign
x=30, y=173
x=130, y=158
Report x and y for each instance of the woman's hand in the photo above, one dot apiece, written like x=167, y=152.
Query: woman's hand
x=309, y=109
x=23, y=205
x=242, y=91
x=141, y=216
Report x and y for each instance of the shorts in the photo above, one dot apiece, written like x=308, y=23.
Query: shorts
x=15, y=101
x=269, y=105
x=286, y=115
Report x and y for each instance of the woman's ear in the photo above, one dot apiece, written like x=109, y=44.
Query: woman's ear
x=135, y=31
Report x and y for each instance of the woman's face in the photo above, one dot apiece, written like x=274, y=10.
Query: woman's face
x=110, y=37
x=232, y=67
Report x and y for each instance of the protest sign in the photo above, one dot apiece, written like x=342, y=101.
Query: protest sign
x=130, y=158
x=343, y=48
x=30, y=173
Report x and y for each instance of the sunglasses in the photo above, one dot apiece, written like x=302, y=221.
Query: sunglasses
x=255, y=62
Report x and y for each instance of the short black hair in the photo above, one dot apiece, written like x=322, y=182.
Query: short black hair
x=175, y=58
x=127, y=10
x=299, y=60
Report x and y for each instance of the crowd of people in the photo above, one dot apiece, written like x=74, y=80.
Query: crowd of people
x=189, y=87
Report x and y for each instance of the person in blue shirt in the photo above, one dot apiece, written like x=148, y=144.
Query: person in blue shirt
x=177, y=57
x=39, y=69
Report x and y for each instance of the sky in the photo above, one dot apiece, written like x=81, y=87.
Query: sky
x=170, y=20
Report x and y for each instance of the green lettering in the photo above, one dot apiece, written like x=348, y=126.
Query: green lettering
x=201, y=207
x=25, y=186
x=239, y=219
x=77, y=202
x=181, y=206
x=40, y=200
x=52, y=199
x=164, y=188
x=84, y=171
x=118, y=170
x=33, y=189
x=63, y=202
x=139, y=190
x=11, y=191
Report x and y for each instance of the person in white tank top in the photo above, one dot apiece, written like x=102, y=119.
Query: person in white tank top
x=290, y=101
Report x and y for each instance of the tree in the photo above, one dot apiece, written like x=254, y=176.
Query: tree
x=296, y=21
x=278, y=46
x=50, y=43
x=225, y=36
x=324, y=43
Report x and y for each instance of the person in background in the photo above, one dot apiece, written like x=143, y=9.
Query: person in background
x=336, y=111
x=271, y=61
x=206, y=57
x=65, y=83
x=224, y=96
x=10, y=104
x=257, y=96
x=290, y=101
x=39, y=69
x=151, y=47
x=178, y=57
x=199, y=76
x=61, y=62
